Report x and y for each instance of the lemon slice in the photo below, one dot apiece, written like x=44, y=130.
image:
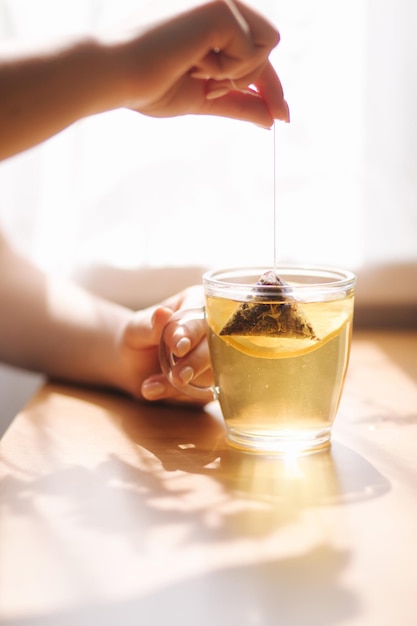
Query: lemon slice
x=326, y=326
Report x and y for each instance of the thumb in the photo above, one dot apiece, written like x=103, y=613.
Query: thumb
x=145, y=328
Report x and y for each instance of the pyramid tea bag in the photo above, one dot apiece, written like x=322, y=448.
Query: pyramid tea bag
x=281, y=318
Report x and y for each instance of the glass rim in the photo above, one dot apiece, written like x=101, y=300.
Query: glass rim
x=329, y=279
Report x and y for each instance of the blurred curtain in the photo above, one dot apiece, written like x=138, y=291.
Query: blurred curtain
x=119, y=191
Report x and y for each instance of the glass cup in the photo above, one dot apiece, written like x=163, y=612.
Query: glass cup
x=279, y=350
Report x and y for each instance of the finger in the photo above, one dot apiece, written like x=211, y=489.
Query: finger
x=181, y=337
x=240, y=43
x=227, y=65
x=156, y=388
x=145, y=328
x=270, y=89
x=249, y=107
x=263, y=33
x=260, y=107
x=194, y=365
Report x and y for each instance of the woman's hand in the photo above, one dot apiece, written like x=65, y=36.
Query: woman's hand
x=210, y=60
x=139, y=351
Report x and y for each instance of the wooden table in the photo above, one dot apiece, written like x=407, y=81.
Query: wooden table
x=114, y=513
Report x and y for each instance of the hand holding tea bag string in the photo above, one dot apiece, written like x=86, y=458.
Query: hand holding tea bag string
x=212, y=59
x=217, y=65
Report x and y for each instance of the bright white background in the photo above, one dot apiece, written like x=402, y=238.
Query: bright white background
x=123, y=191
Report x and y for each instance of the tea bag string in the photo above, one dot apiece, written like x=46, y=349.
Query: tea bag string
x=275, y=192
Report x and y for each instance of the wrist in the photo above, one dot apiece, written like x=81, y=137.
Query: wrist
x=99, y=76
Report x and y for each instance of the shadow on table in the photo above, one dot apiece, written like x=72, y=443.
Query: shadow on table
x=287, y=592
x=183, y=475
x=193, y=441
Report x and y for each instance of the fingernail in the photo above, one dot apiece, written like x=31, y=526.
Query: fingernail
x=153, y=389
x=263, y=127
x=219, y=92
x=199, y=75
x=186, y=374
x=183, y=346
x=286, y=117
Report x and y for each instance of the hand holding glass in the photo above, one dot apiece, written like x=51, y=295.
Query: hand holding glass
x=279, y=353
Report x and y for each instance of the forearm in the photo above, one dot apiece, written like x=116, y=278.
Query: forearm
x=52, y=326
x=44, y=91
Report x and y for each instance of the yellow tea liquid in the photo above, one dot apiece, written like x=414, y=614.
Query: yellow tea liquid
x=279, y=392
